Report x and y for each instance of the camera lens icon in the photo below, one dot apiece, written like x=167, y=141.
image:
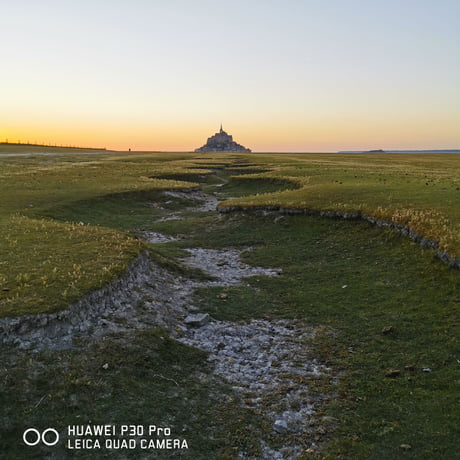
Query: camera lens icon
x=33, y=437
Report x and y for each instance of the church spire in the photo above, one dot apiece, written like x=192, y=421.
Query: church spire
x=221, y=130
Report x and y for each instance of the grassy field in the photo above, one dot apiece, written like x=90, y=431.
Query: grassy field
x=390, y=282
x=420, y=191
x=70, y=222
x=48, y=261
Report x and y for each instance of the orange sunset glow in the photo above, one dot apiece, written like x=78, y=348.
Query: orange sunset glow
x=311, y=77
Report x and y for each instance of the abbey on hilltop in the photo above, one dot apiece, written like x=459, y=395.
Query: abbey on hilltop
x=222, y=142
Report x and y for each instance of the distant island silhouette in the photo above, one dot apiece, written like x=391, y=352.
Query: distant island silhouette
x=222, y=142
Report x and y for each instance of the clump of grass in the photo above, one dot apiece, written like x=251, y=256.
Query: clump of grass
x=47, y=265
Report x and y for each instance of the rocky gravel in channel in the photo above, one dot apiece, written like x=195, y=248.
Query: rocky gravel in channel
x=269, y=364
x=157, y=238
x=206, y=202
x=226, y=266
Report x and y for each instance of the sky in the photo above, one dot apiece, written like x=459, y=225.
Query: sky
x=280, y=75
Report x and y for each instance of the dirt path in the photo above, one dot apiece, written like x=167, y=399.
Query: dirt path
x=268, y=363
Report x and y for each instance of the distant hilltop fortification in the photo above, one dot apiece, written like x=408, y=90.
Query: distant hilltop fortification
x=222, y=142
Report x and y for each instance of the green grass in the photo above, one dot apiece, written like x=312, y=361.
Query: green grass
x=47, y=265
x=48, y=259
x=242, y=186
x=126, y=211
x=420, y=191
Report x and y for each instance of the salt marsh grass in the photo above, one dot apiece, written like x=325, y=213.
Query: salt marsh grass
x=55, y=248
x=47, y=263
x=421, y=191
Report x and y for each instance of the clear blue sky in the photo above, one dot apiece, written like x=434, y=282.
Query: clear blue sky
x=297, y=75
